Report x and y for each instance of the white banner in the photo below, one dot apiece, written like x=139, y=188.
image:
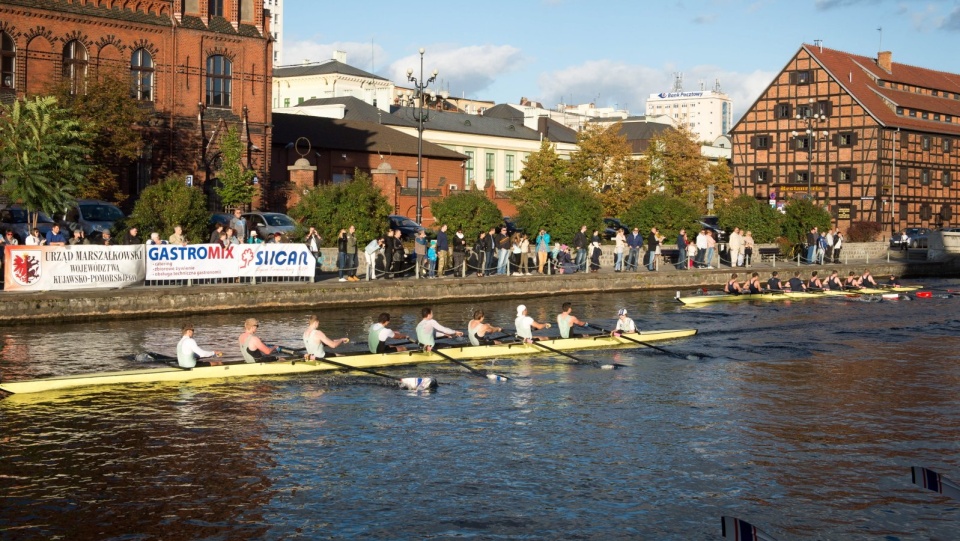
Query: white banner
x=168, y=262
x=47, y=268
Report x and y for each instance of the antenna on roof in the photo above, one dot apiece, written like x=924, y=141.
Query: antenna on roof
x=678, y=82
x=716, y=86
x=880, y=30
x=818, y=43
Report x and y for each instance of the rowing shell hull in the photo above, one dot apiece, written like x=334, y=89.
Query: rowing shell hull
x=296, y=366
x=788, y=295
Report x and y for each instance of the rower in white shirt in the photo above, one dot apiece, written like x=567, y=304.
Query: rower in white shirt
x=428, y=327
x=314, y=339
x=380, y=332
x=525, y=324
x=188, y=351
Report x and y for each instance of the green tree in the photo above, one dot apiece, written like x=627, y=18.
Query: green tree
x=758, y=217
x=236, y=186
x=43, y=153
x=604, y=162
x=472, y=211
x=542, y=170
x=561, y=211
x=168, y=203
x=668, y=214
x=677, y=165
x=333, y=207
x=720, y=177
x=800, y=216
x=115, y=121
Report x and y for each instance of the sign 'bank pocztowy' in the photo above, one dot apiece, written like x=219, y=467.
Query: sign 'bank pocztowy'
x=48, y=268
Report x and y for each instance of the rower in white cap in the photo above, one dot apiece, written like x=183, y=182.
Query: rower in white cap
x=624, y=323
x=525, y=325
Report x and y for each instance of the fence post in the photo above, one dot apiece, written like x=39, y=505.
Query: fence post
x=417, y=266
x=463, y=266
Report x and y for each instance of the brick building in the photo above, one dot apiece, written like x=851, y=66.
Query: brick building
x=199, y=66
x=872, y=139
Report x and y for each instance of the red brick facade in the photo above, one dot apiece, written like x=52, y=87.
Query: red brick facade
x=173, y=51
x=883, y=142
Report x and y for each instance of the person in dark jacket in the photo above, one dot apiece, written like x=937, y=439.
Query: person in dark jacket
x=459, y=251
x=131, y=238
x=580, y=245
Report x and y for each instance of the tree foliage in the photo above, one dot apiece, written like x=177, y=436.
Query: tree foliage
x=333, y=207
x=473, y=211
x=751, y=214
x=168, y=203
x=800, y=216
x=542, y=171
x=561, y=211
x=604, y=162
x=236, y=187
x=864, y=231
x=43, y=153
x=668, y=214
x=677, y=165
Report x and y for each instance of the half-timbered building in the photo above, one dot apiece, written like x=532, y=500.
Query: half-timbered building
x=871, y=139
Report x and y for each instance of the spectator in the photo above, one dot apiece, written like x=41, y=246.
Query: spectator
x=277, y=238
x=822, y=247
x=216, y=233
x=231, y=237
x=619, y=248
x=177, y=236
x=837, y=246
x=78, y=238
x=682, y=250
x=239, y=224
x=459, y=252
x=595, y=255
x=399, y=255
x=525, y=254
x=748, y=246
x=342, y=254
x=420, y=251
x=565, y=261
x=580, y=245
x=480, y=249
x=503, y=252
x=443, y=250
x=34, y=238
x=370, y=251
x=634, y=243
x=543, y=245
x=313, y=241
x=711, y=248
x=432, y=259
x=701, y=245
x=106, y=239
x=811, y=245
x=352, y=259
x=490, y=251
x=736, y=248
x=155, y=239
x=55, y=237
x=829, y=250
x=653, y=247
x=255, y=239
x=131, y=237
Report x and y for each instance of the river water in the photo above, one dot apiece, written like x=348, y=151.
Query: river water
x=804, y=420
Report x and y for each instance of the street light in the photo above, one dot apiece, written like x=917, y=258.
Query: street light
x=420, y=86
x=812, y=137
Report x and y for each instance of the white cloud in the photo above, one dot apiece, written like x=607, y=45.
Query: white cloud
x=462, y=69
x=365, y=56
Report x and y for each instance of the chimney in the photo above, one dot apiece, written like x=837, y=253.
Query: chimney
x=340, y=56
x=885, y=61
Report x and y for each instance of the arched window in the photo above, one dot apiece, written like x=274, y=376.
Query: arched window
x=219, y=81
x=75, y=61
x=141, y=75
x=8, y=58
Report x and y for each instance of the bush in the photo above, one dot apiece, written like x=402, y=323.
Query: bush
x=864, y=231
x=166, y=204
x=333, y=207
x=751, y=214
x=473, y=211
x=561, y=211
x=802, y=215
x=668, y=214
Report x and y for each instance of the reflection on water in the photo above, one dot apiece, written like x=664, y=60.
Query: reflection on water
x=803, y=420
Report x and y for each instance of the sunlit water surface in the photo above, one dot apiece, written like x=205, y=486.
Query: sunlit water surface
x=804, y=420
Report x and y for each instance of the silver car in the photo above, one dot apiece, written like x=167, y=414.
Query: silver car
x=14, y=218
x=268, y=223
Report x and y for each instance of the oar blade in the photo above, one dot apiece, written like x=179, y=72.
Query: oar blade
x=418, y=384
x=740, y=530
x=933, y=481
x=497, y=377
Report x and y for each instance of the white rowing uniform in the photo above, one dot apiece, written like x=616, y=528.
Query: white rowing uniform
x=625, y=324
x=427, y=329
x=378, y=334
x=564, y=324
x=472, y=332
x=313, y=344
x=523, y=325
x=188, y=352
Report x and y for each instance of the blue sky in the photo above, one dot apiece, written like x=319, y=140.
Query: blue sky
x=613, y=53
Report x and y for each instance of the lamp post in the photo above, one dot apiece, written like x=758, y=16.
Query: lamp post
x=420, y=86
x=812, y=137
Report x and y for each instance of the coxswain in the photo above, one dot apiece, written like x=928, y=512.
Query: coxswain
x=380, y=332
x=428, y=327
x=852, y=281
x=893, y=281
x=624, y=323
x=526, y=324
x=795, y=284
x=252, y=349
x=773, y=284
x=833, y=282
x=815, y=283
x=477, y=330
x=733, y=286
x=866, y=280
x=188, y=351
x=566, y=320
x=314, y=339
x=753, y=285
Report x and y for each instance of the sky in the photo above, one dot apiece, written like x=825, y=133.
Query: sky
x=609, y=52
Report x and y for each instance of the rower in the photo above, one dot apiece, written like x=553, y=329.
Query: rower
x=795, y=284
x=428, y=327
x=380, y=332
x=852, y=281
x=753, y=286
x=733, y=287
x=188, y=351
x=893, y=282
x=833, y=282
x=525, y=325
x=314, y=339
x=773, y=284
x=866, y=280
x=624, y=323
x=252, y=349
x=477, y=330
x=815, y=282
x=566, y=320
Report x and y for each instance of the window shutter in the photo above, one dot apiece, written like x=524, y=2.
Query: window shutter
x=836, y=139
x=946, y=212
x=836, y=175
x=753, y=142
x=853, y=138
x=904, y=175
x=853, y=174
x=793, y=77
x=828, y=108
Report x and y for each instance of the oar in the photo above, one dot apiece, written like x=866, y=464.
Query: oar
x=575, y=358
x=474, y=371
x=932, y=480
x=741, y=530
x=689, y=357
x=410, y=384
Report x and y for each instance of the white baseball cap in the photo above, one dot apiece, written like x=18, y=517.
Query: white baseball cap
x=521, y=309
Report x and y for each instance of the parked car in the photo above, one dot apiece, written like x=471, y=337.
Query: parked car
x=15, y=218
x=268, y=223
x=93, y=217
x=611, y=225
x=511, y=226
x=408, y=228
x=712, y=223
x=916, y=238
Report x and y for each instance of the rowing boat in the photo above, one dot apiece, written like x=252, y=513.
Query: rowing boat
x=791, y=295
x=362, y=360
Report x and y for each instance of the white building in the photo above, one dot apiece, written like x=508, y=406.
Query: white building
x=276, y=28
x=706, y=113
x=298, y=83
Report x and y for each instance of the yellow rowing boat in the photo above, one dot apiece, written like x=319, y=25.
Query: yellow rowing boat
x=788, y=295
x=360, y=361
